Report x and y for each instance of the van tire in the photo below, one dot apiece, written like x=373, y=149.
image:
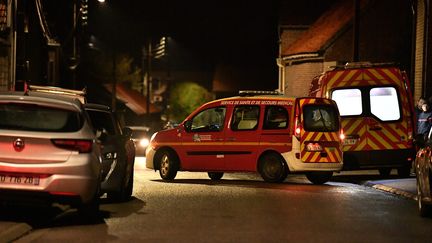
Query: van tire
x=215, y=176
x=168, y=165
x=404, y=172
x=272, y=168
x=384, y=172
x=319, y=177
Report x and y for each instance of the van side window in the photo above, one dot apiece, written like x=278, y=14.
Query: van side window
x=276, y=117
x=209, y=120
x=349, y=101
x=384, y=103
x=245, y=118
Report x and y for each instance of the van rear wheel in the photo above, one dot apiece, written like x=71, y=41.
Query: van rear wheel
x=215, y=176
x=404, y=172
x=272, y=168
x=384, y=172
x=319, y=177
x=168, y=165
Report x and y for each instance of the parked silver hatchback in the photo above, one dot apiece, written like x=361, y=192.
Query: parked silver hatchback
x=49, y=151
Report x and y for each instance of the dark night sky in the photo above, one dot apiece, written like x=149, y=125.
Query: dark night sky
x=239, y=33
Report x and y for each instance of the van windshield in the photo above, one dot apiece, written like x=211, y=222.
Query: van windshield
x=322, y=118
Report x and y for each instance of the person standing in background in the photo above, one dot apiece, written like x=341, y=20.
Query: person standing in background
x=424, y=120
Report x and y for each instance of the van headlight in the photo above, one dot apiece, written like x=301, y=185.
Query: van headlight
x=144, y=142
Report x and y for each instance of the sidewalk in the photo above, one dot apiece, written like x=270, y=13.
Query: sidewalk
x=403, y=187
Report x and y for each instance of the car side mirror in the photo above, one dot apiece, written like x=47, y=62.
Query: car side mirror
x=188, y=126
x=101, y=134
x=127, y=131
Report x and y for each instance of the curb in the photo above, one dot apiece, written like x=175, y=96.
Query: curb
x=392, y=190
x=14, y=232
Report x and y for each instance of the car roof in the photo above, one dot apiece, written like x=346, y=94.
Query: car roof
x=39, y=97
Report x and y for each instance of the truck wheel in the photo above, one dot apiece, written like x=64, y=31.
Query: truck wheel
x=215, y=176
x=319, y=177
x=384, y=172
x=404, y=172
x=272, y=168
x=168, y=165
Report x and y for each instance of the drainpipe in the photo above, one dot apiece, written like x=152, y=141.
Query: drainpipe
x=356, y=30
x=425, y=48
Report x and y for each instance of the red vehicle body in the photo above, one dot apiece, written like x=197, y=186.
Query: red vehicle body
x=270, y=134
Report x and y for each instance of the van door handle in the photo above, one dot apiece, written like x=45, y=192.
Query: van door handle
x=218, y=139
x=231, y=139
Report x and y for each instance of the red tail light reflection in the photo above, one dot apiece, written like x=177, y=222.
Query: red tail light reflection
x=82, y=146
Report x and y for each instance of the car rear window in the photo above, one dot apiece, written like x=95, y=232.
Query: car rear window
x=31, y=117
x=320, y=118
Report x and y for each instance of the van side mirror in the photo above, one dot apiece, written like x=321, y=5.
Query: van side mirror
x=101, y=134
x=188, y=126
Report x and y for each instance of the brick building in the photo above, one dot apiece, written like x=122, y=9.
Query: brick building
x=375, y=31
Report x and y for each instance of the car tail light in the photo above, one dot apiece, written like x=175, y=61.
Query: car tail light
x=82, y=146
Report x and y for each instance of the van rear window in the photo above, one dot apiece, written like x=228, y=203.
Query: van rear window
x=384, y=103
x=349, y=101
x=31, y=117
x=320, y=118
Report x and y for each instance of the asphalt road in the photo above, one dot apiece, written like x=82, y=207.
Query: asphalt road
x=240, y=208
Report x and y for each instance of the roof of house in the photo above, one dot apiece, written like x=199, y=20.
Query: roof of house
x=133, y=99
x=324, y=29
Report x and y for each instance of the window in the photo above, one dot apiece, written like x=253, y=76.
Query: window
x=349, y=101
x=321, y=118
x=245, y=118
x=384, y=103
x=30, y=117
x=209, y=120
x=102, y=120
x=276, y=117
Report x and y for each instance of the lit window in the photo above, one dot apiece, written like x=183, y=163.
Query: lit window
x=349, y=101
x=384, y=103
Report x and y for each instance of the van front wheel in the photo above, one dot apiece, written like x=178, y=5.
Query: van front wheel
x=168, y=165
x=272, y=168
x=319, y=177
x=215, y=176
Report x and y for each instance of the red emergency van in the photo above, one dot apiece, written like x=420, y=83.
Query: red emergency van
x=376, y=109
x=262, y=132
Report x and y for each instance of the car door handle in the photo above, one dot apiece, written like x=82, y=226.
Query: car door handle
x=218, y=139
x=231, y=139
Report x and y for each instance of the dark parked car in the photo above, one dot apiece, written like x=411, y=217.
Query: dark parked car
x=118, y=153
x=423, y=169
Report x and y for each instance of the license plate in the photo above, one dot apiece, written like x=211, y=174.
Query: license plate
x=350, y=141
x=19, y=179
